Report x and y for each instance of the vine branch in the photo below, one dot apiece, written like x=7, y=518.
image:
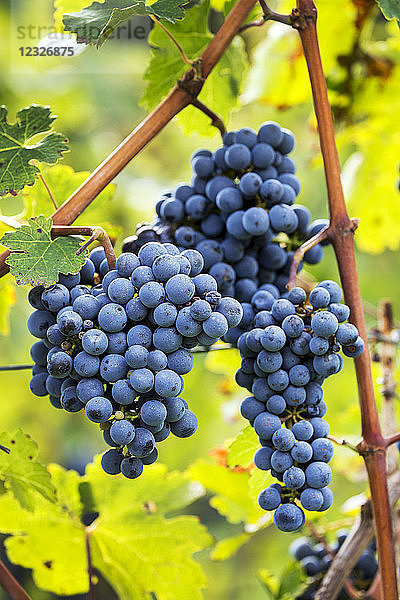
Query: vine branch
x=48, y=190
x=11, y=585
x=341, y=235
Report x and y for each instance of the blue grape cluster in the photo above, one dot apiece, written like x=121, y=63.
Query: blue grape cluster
x=239, y=212
x=116, y=343
x=315, y=560
x=285, y=361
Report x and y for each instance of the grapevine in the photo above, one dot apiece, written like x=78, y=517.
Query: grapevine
x=218, y=267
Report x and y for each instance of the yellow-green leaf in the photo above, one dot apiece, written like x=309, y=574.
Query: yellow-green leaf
x=19, y=146
x=243, y=447
x=230, y=491
x=62, y=181
x=21, y=472
x=227, y=547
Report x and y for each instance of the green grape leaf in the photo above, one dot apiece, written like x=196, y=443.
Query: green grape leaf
x=292, y=582
x=66, y=6
x=37, y=259
x=228, y=547
x=95, y=23
x=131, y=540
x=390, y=9
x=22, y=474
x=243, y=447
x=153, y=552
x=156, y=490
x=19, y=146
x=258, y=481
x=50, y=540
x=222, y=87
x=231, y=491
x=270, y=583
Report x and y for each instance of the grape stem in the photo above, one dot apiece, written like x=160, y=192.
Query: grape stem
x=48, y=190
x=300, y=252
x=95, y=233
x=343, y=443
x=374, y=592
x=341, y=234
x=392, y=439
x=173, y=40
x=216, y=121
x=11, y=585
x=15, y=367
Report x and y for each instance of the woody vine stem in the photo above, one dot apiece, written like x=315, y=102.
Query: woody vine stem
x=340, y=233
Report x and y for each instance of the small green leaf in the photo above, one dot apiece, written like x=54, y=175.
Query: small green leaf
x=95, y=23
x=231, y=491
x=243, y=447
x=270, y=583
x=18, y=146
x=66, y=6
x=50, y=540
x=390, y=9
x=22, y=474
x=226, y=548
x=292, y=582
x=36, y=258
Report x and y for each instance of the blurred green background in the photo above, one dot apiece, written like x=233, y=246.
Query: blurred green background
x=96, y=96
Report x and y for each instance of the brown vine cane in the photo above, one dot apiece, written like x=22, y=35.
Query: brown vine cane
x=341, y=235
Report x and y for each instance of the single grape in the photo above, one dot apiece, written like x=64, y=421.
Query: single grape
x=122, y=432
x=142, y=444
x=288, y=517
x=318, y=474
x=185, y=426
x=269, y=499
x=111, y=462
x=131, y=467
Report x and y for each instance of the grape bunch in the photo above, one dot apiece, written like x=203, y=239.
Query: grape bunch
x=239, y=212
x=315, y=560
x=116, y=343
x=285, y=361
